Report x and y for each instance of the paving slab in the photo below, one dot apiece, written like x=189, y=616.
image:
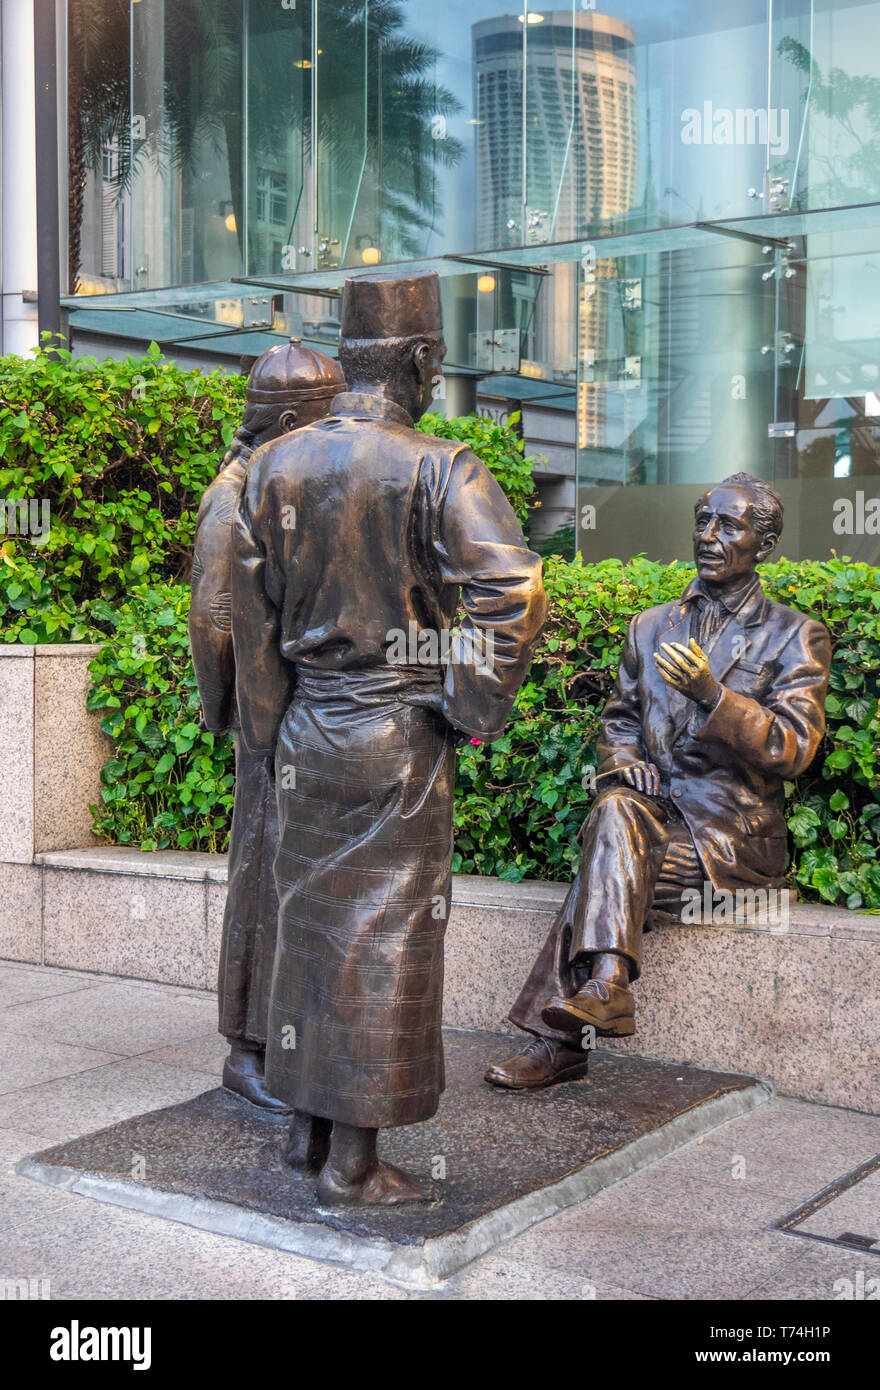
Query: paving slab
x=22, y=1064
x=80, y=1102
x=119, y=1017
x=22, y=984
x=502, y=1161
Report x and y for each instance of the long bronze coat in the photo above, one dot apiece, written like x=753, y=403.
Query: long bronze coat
x=724, y=771
x=349, y=533
x=251, y=917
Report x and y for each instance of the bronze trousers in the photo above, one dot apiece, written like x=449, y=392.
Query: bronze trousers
x=637, y=854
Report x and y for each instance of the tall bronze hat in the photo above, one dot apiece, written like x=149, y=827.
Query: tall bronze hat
x=291, y=372
x=385, y=305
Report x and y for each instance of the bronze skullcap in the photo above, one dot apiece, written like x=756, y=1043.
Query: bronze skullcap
x=385, y=305
x=291, y=372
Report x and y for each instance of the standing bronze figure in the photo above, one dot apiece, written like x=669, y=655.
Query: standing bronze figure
x=355, y=540
x=288, y=386
x=720, y=696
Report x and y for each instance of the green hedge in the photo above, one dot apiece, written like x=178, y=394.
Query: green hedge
x=521, y=800
x=124, y=451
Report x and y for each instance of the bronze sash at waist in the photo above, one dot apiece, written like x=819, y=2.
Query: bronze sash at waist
x=373, y=685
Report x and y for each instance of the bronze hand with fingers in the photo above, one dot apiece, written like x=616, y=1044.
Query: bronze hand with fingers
x=642, y=777
x=686, y=668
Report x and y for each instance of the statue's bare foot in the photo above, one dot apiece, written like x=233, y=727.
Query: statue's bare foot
x=307, y=1144
x=385, y=1186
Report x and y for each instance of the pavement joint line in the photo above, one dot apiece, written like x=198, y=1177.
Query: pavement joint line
x=63, y=1076
x=118, y=1060
x=97, y=979
x=44, y=998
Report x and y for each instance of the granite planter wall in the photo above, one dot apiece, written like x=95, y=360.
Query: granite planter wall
x=53, y=750
x=52, y=754
x=800, y=1007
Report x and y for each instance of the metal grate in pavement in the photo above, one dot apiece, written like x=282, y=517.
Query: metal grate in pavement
x=845, y=1214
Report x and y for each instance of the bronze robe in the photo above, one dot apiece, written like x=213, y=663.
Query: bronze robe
x=349, y=533
x=247, y=947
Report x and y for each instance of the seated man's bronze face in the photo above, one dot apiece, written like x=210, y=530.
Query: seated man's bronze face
x=727, y=544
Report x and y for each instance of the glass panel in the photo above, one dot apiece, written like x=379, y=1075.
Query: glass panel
x=581, y=122
x=458, y=129
x=187, y=190
x=496, y=112
x=633, y=118
x=349, y=123
x=826, y=67
x=99, y=111
x=695, y=364
x=842, y=329
x=410, y=106
x=703, y=89
x=277, y=45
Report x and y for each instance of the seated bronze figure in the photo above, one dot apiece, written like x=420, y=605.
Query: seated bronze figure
x=720, y=696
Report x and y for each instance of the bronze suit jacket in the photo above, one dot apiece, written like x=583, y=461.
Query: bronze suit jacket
x=724, y=771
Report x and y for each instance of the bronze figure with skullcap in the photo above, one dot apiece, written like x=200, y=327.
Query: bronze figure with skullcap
x=288, y=386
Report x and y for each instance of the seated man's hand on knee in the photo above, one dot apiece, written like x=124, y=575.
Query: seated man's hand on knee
x=642, y=777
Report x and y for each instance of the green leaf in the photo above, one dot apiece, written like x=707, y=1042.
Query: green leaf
x=840, y=760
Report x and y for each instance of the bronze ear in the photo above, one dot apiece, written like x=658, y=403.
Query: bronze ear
x=288, y=420
x=420, y=354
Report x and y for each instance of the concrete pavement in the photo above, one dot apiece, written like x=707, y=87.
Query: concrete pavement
x=82, y=1051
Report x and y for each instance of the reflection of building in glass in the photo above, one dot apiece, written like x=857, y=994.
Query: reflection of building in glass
x=581, y=133
x=580, y=125
x=498, y=99
x=580, y=167
x=269, y=218
x=208, y=139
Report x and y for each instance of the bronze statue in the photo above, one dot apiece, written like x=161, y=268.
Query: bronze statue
x=348, y=535
x=288, y=386
x=720, y=696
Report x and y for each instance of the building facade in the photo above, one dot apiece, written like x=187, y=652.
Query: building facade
x=657, y=227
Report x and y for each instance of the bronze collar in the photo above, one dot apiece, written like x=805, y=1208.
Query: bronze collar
x=371, y=405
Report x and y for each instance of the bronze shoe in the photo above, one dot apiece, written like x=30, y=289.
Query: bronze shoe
x=607, y=1007
x=543, y=1063
x=243, y=1074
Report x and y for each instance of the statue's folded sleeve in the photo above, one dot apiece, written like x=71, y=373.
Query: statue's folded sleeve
x=210, y=618
x=478, y=544
x=265, y=680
